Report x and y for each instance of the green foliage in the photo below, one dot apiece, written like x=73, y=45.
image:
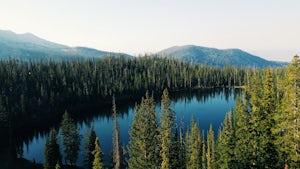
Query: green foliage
x=176, y=152
x=242, y=138
x=204, y=158
x=210, y=153
x=287, y=120
x=71, y=139
x=181, y=151
x=264, y=132
x=30, y=88
x=167, y=120
x=89, y=145
x=226, y=144
x=193, y=146
x=52, y=156
x=263, y=152
x=144, y=141
x=98, y=156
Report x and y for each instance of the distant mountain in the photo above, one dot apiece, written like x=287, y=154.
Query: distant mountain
x=216, y=57
x=28, y=46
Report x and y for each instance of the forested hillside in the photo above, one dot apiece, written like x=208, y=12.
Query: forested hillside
x=261, y=132
x=43, y=90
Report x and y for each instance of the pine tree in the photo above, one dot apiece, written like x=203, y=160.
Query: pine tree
x=241, y=125
x=225, y=144
x=71, y=139
x=210, y=153
x=267, y=145
x=255, y=121
x=90, y=139
x=288, y=119
x=167, y=120
x=144, y=141
x=193, y=146
x=204, y=159
x=182, y=150
x=117, y=157
x=98, y=156
x=52, y=155
x=57, y=166
x=175, y=160
x=261, y=122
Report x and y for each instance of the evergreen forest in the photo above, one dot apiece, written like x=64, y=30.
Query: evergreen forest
x=261, y=132
x=32, y=92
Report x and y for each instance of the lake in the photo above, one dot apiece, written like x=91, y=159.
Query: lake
x=208, y=106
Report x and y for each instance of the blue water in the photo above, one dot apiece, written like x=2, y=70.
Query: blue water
x=207, y=107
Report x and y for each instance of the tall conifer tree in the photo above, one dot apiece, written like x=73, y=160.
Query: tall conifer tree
x=98, y=156
x=175, y=153
x=167, y=120
x=225, y=144
x=193, y=146
x=288, y=119
x=210, y=153
x=71, y=139
x=267, y=141
x=89, y=147
x=144, y=141
x=117, y=146
x=256, y=117
x=241, y=125
x=52, y=155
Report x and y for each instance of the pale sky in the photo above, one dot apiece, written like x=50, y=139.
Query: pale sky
x=267, y=28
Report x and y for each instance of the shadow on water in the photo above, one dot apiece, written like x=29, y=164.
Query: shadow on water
x=14, y=144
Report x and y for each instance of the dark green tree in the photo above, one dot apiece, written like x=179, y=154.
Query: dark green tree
x=167, y=125
x=52, y=154
x=261, y=122
x=287, y=120
x=226, y=144
x=181, y=151
x=204, y=159
x=242, y=139
x=89, y=145
x=256, y=117
x=71, y=139
x=175, y=153
x=193, y=146
x=98, y=156
x=144, y=141
x=210, y=152
x=267, y=142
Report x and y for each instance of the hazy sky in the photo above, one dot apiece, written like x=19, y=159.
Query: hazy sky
x=268, y=28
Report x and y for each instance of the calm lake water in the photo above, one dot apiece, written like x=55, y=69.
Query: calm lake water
x=207, y=107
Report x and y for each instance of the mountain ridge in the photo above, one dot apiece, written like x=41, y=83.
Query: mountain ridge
x=28, y=46
x=216, y=57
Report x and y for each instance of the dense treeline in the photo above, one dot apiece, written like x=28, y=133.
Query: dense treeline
x=32, y=91
x=262, y=131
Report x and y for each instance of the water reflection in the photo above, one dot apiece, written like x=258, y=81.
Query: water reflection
x=207, y=106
